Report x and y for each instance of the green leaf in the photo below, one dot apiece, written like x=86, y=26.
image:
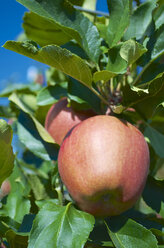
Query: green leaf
x=132, y=235
x=60, y=227
x=140, y=20
x=103, y=75
x=156, y=140
x=116, y=63
x=131, y=51
x=17, y=203
x=153, y=194
x=6, y=151
x=43, y=30
x=17, y=239
x=42, y=131
x=29, y=135
x=83, y=95
x=146, y=98
x=155, y=48
x=72, y=22
x=55, y=56
x=37, y=187
x=156, y=68
x=158, y=48
x=118, y=22
x=21, y=88
x=158, y=14
x=50, y=95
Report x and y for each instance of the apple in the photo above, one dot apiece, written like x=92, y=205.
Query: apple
x=104, y=163
x=60, y=119
x=5, y=188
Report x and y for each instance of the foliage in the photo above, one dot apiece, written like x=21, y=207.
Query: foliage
x=112, y=64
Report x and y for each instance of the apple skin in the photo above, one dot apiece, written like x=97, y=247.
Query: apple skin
x=5, y=188
x=104, y=164
x=60, y=119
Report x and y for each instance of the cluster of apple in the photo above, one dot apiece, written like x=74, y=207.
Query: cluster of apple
x=103, y=161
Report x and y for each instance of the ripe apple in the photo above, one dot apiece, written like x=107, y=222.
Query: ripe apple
x=5, y=188
x=60, y=119
x=104, y=163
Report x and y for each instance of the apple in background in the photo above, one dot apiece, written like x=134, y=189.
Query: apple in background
x=60, y=119
x=104, y=164
x=5, y=188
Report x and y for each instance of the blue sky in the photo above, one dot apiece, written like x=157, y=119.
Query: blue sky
x=13, y=66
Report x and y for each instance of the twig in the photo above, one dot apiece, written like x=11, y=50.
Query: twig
x=92, y=12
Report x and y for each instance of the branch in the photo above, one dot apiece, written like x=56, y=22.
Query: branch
x=91, y=12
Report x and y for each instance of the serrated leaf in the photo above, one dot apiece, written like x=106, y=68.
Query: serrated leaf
x=116, y=63
x=60, y=227
x=103, y=75
x=140, y=20
x=131, y=51
x=55, y=56
x=71, y=21
x=50, y=95
x=42, y=131
x=6, y=151
x=119, y=20
x=31, y=138
x=156, y=140
x=132, y=235
x=43, y=30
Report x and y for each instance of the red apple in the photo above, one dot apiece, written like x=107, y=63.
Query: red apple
x=5, y=188
x=60, y=119
x=104, y=163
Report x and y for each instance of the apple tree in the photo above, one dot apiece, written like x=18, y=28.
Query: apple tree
x=110, y=65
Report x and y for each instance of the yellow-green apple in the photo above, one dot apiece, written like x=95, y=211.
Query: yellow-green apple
x=60, y=119
x=104, y=163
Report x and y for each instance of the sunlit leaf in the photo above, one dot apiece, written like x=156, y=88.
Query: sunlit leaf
x=131, y=234
x=55, y=56
x=43, y=30
x=119, y=19
x=140, y=20
x=60, y=227
x=103, y=75
x=131, y=51
x=71, y=21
